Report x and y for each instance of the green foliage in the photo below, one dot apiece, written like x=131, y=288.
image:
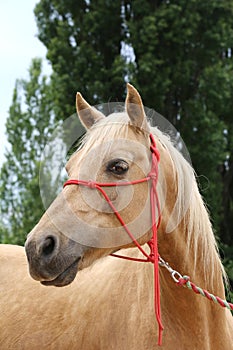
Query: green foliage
x=84, y=52
x=28, y=127
x=228, y=263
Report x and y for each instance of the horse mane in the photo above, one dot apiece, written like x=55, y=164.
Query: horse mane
x=199, y=236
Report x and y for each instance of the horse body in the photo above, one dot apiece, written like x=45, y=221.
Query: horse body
x=85, y=315
x=96, y=312
x=110, y=303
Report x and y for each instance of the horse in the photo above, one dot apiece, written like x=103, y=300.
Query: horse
x=105, y=302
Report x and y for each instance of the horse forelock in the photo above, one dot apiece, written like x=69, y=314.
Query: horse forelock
x=111, y=128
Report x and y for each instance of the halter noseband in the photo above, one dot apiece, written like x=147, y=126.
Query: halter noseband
x=153, y=257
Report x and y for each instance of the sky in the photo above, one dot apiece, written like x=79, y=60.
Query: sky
x=18, y=45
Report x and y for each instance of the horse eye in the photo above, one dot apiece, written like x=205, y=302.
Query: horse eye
x=118, y=166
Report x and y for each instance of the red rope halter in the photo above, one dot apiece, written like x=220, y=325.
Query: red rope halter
x=153, y=257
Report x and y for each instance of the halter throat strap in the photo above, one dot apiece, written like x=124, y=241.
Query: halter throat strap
x=153, y=256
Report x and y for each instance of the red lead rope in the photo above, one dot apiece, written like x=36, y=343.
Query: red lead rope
x=153, y=257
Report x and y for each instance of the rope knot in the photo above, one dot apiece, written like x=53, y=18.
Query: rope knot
x=151, y=257
x=91, y=184
x=152, y=175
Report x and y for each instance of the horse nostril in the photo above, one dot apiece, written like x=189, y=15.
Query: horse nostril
x=48, y=246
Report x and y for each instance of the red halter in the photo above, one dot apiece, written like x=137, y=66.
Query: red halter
x=153, y=257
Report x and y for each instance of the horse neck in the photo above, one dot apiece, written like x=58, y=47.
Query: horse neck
x=185, y=237
x=181, y=306
x=191, y=248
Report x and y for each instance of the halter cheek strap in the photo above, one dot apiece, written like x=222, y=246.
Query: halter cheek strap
x=153, y=257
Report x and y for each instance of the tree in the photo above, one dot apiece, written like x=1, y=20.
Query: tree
x=28, y=126
x=184, y=68
x=84, y=53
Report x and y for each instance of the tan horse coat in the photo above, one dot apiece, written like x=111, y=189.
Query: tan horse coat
x=97, y=312
x=109, y=305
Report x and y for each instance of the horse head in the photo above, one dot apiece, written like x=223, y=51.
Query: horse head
x=80, y=226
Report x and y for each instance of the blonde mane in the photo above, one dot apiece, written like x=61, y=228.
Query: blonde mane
x=189, y=208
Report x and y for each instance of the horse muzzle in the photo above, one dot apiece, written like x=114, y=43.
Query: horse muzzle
x=50, y=261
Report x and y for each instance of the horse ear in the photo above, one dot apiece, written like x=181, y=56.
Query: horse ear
x=135, y=109
x=88, y=115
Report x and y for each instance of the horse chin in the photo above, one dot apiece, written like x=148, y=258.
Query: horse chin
x=65, y=278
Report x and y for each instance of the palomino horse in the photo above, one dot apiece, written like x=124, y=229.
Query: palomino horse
x=110, y=304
